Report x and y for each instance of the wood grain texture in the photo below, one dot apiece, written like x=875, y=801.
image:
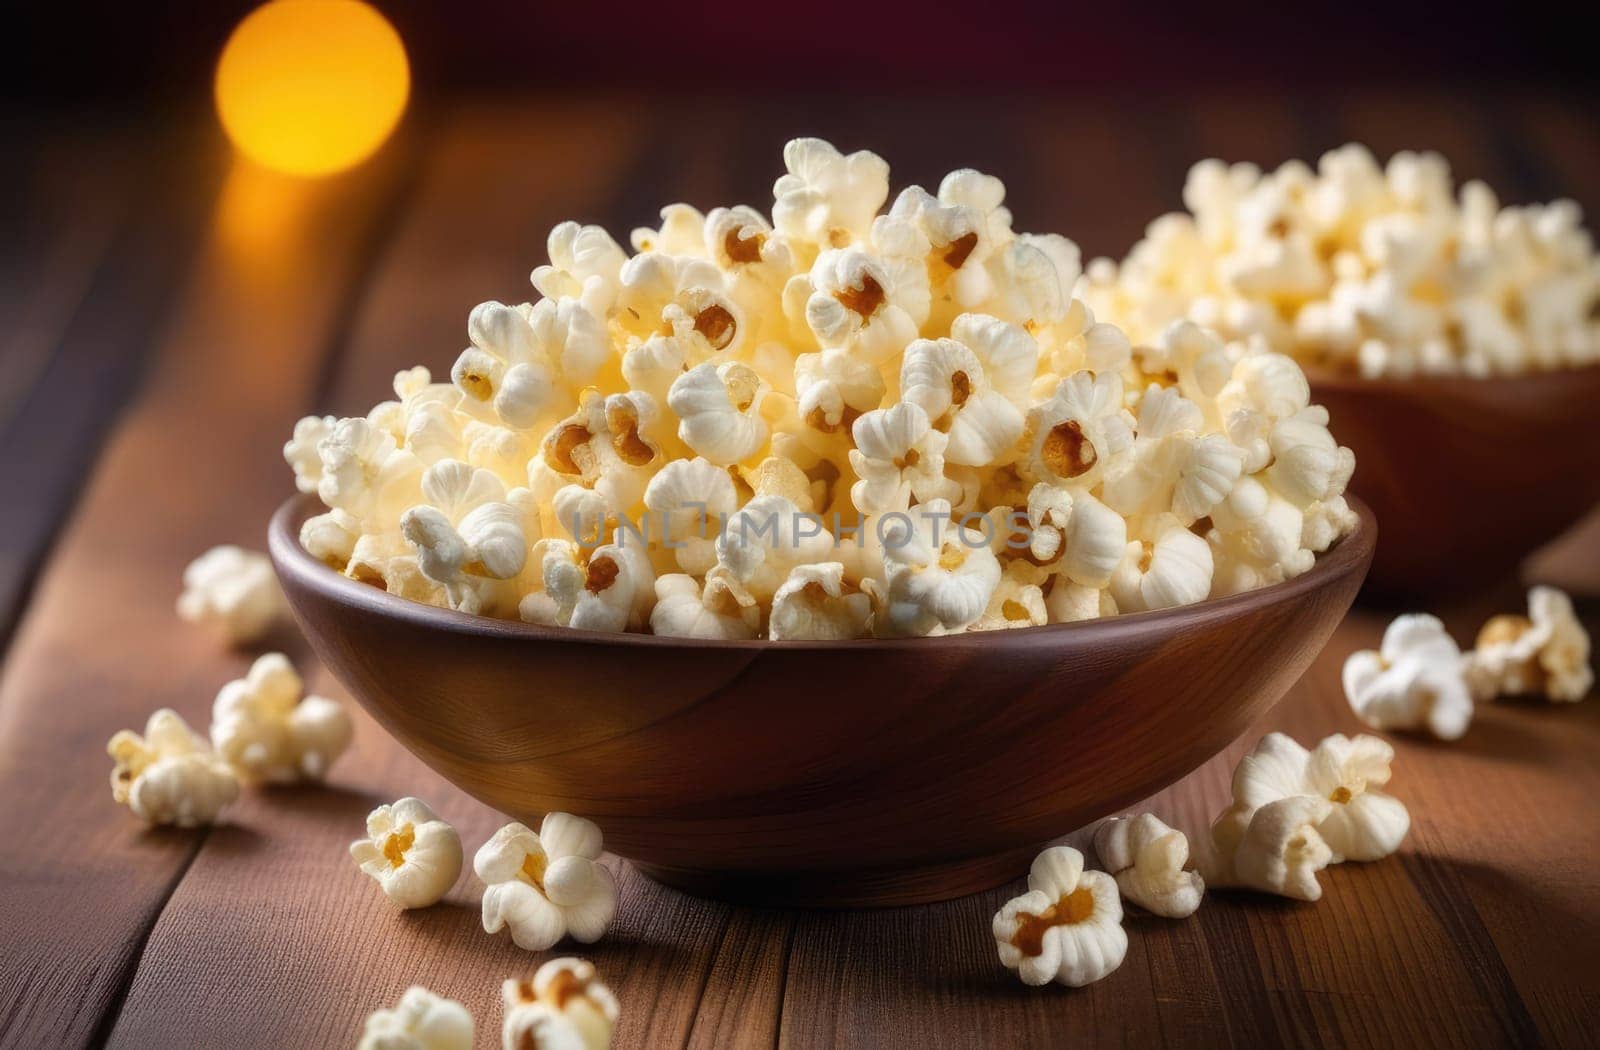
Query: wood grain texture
x=1460, y=472
x=1481, y=932
x=119, y=216
x=99, y=648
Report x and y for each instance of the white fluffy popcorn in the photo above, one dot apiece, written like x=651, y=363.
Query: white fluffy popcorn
x=565, y=1007
x=268, y=730
x=1415, y=680
x=840, y=422
x=1067, y=928
x=1277, y=849
x=411, y=854
x=547, y=885
x=1385, y=270
x=1360, y=823
x=421, y=1020
x=233, y=591
x=169, y=775
x=1545, y=653
x=1147, y=858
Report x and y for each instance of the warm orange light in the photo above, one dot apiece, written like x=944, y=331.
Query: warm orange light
x=312, y=87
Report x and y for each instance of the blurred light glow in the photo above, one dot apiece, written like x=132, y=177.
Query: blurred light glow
x=311, y=87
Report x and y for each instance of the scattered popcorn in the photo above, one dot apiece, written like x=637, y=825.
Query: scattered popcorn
x=548, y=885
x=564, y=1007
x=1545, y=653
x=169, y=775
x=420, y=1021
x=843, y=422
x=413, y=855
x=1414, y=681
x=1381, y=270
x=234, y=591
x=1276, y=849
x=1360, y=823
x=265, y=727
x=1067, y=928
x=1147, y=859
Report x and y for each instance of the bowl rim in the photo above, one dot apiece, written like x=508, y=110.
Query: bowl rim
x=1352, y=554
x=1324, y=378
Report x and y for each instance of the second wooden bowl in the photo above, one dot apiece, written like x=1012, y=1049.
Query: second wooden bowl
x=1468, y=476
x=826, y=774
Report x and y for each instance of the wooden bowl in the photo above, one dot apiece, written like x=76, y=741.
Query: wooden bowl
x=1468, y=476
x=810, y=773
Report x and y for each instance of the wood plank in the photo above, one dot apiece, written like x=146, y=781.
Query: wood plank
x=324, y=955
x=83, y=882
x=119, y=216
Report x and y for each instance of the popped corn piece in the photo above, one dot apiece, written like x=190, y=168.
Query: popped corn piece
x=413, y=855
x=828, y=199
x=1361, y=823
x=301, y=450
x=720, y=608
x=168, y=775
x=268, y=730
x=1147, y=859
x=1175, y=569
x=548, y=885
x=718, y=409
x=942, y=573
x=1545, y=653
x=1067, y=928
x=1415, y=680
x=612, y=589
x=585, y=264
x=816, y=602
x=688, y=499
x=898, y=456
x=234, y=592
x=1276, y=850
x=420, y=1021
x=565, y=1007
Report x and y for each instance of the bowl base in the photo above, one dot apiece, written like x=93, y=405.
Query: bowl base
x=870, y=888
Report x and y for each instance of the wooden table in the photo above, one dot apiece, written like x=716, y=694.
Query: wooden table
x=164, y=318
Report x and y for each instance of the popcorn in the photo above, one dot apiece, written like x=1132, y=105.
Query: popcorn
x=1371, y=269
x=1174, y=570
x=564, y=1007
x=942, y=573
x=1277, y=849
x=468, y=534
x=234, y=591
x=267, y=730
x=1414, y=680
x=845, y=422
x=1360, y=824
x=413, y=855
x=1067, y=928
x=817, y=603
x=168, y=775
x=548, y=885
x=420, y=1021
x=1545, y=653
x=1147, y=859
x=898, y=456
x=828, y=198
x=720, y=608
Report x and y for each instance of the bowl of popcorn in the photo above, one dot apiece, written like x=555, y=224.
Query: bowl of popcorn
x=1454, y=341
x=837, y=557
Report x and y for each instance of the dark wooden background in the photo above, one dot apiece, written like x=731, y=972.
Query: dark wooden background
x=166, y=316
